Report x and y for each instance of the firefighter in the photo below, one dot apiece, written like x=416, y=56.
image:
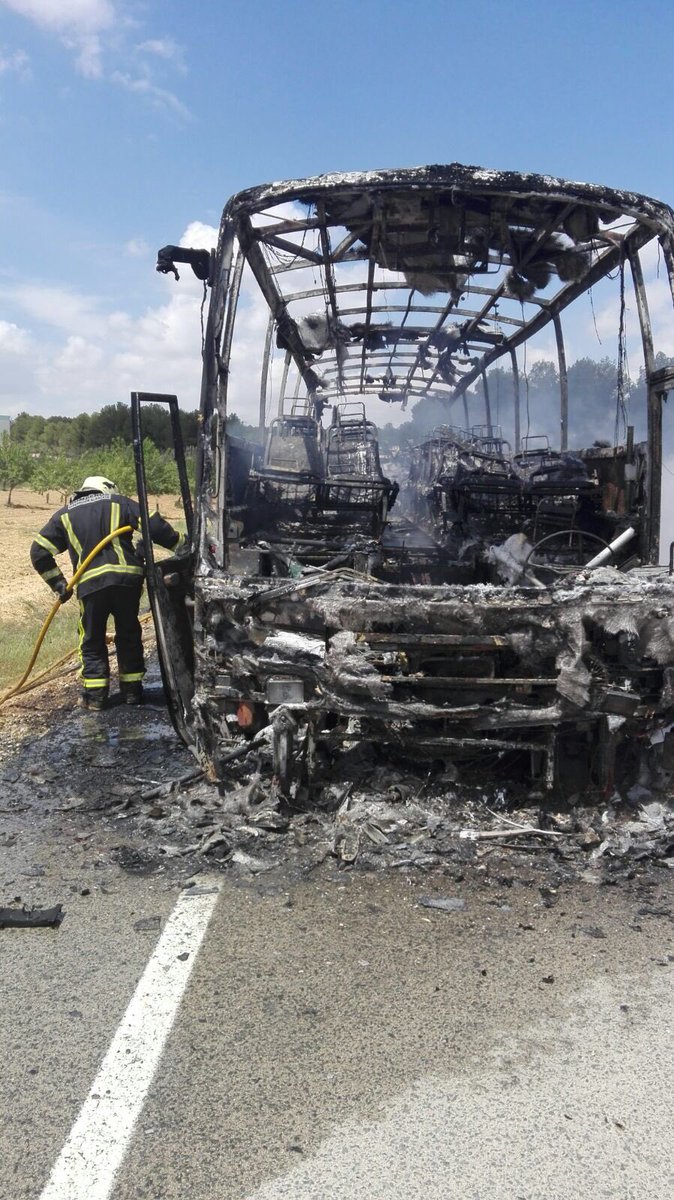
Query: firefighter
x=111, y=585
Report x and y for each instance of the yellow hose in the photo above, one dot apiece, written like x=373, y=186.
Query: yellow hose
x=59, y=668
x=50, y=617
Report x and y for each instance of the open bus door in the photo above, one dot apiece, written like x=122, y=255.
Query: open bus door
x=170, y=581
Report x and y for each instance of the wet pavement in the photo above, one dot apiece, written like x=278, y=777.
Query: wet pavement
x=338, y=1035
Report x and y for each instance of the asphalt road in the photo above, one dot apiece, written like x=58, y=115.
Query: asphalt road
x=336, y=1038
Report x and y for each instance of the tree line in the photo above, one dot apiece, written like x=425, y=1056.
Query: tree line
x=62, y=474
x=54, y=454
x=96, y=431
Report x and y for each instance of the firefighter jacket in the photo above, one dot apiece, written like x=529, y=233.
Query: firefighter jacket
x=81, y=524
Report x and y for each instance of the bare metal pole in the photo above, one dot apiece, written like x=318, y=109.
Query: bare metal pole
x=234, y=289
x=654, y=462
x=487, y=404
x=369, y=292
x=326, y=261
x=668, y=251
x=264, y=377
x=284, y=383
x=516, y=399
x=563, y=385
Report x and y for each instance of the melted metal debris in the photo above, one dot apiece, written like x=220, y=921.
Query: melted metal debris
x=384, y=818
x=121, y=781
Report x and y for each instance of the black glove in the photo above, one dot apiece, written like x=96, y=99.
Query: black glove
x=61, y=589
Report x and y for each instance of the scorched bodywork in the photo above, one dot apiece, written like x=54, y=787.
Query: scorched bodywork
x=497, y=603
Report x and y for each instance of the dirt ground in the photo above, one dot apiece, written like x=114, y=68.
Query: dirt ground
x=23, y=593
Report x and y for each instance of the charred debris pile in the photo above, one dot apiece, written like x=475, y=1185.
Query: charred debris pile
x=131, y=795
x=385, y=815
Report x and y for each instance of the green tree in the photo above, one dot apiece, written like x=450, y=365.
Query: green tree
x=157, y=425
x=41, y=478
x=112, y=423
x=57, y=473
x=28, y=430
x=16, y=465
x=117, y=463
x=77, y=434
x=161, y=473
x=190, y=425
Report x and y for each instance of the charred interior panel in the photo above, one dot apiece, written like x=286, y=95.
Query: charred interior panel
x=497, y=603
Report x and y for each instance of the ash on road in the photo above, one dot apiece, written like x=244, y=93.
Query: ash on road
x=337, y=1036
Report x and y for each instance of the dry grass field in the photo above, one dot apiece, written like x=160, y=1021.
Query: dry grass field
x=26, y=600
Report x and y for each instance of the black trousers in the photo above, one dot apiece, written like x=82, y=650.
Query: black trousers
x=121, y=602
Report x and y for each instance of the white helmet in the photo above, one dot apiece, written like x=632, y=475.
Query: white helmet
x=98, y=483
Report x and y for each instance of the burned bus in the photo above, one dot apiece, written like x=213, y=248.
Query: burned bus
x=498, y=603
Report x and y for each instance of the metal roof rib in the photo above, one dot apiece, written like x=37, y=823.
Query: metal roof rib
x=442, y=233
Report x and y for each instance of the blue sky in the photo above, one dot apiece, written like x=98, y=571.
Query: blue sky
x=124, y=122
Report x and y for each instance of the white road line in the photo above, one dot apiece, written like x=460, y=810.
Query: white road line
x=91, y=1157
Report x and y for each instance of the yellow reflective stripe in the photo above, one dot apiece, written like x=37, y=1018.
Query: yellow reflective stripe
x=46, y=544
x=115, y=522
x=80, y=639
x=95, y=683
x=113, y=568
x=134, y=678
x=53, y=574
x=72, y=536
x=179, y=544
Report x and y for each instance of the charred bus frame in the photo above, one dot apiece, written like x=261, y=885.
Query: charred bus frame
x=424, y=278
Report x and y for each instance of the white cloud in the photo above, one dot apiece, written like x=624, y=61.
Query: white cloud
x=15, y=62
x=78, y=23
x=161, y=97
x=165, y=48
x=78, y=354
x=136, y=248
x=94, y=28
x=19, y=354
x=200, y=236
x=13, y=339
x=58, y=307
x=543, y=352
x=70, y=15
x=70, y=353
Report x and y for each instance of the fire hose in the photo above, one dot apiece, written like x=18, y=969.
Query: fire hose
x=55, y=608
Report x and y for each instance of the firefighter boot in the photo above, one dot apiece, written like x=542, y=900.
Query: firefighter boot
x=131, y=693
x=94, y=700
